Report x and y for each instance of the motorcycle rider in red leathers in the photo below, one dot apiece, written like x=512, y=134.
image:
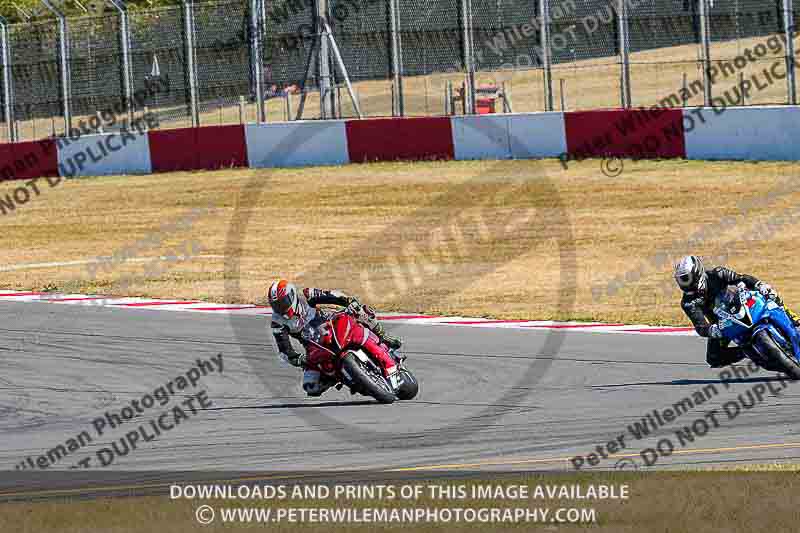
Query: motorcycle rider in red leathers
x=293, y=310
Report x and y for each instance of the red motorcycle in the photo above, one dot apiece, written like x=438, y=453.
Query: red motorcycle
x=345, y=351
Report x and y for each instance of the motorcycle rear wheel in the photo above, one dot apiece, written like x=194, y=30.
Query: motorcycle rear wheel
x=766, y=346
x=366, y=380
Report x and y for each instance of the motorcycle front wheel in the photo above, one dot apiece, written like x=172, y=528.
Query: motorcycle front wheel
x=767, y=348
x=410, y=386
x=367, y=381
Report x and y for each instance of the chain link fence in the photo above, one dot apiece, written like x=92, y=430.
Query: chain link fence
x=237, y=61
x=434, y=54
x=158, y=53
x=34, y=74
x=736, y=25
x=585, y=53
x=666, y=51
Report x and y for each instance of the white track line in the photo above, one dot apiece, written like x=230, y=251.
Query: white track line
x=101, y=260
x=196, y=306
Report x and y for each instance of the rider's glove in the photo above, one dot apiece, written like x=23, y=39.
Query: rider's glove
x=767, y=291
x=714, y=332
x=368, y=311
x=293, y=358
x=354, y=308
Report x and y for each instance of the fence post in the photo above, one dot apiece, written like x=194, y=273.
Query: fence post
x=397, y=59
x=125, y=39
x=66, y=88
x=8, y=81
x=337, y=56
x=469, y=88
x=188, y=25
x=788, y=25
x=544, y=34
x=624, y=49
x=704, y=38
x=326, y=102
x=255, y=57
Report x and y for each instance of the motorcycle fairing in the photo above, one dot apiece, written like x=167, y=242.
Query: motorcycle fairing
x=757, y=313
x=781, y=329
x=342, y=330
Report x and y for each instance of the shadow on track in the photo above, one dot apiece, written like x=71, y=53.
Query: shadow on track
x=296, y=405
x=682, y=382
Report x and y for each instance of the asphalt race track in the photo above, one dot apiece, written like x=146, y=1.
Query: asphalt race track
x=63, y=366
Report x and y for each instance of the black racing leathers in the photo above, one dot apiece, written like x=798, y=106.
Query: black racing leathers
x=699, y=307
x=282, y=331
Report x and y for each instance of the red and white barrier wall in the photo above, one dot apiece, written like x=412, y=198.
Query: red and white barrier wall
x=744, y=133
x=748, y=133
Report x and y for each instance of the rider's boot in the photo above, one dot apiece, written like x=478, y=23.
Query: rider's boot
x=392, y=342
x=372, y=343
x=719, y=354
x=315, y=384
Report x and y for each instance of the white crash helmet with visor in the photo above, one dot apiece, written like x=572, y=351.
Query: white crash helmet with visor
x=690, y=275
x=286, y=301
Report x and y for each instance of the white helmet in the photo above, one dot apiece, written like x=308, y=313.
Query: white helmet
x=287, y=301
x=690, y=274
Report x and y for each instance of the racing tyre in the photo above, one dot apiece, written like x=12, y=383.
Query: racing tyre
x=369, y=381
x=766, y=347
x=410, y=386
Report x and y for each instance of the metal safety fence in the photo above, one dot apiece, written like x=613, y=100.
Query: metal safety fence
x=234, y=61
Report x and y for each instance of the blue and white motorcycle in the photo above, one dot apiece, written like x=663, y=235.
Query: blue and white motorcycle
x=761, y=327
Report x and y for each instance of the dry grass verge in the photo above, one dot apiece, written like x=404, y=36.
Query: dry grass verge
x=345, y=226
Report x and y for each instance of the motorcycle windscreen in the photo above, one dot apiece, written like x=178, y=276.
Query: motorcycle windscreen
x=734, y=310
x=757, y=306
x=344, y=326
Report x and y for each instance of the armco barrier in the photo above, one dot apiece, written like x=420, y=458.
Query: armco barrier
x=537, y=135
x=205, y=148
x=27, y=160
x=391, y=139
x=105, y=154
x=481, y=137
x=172, y=149
x=636, y=133
x=747, y=133
x=755, y=133
x=292, y=144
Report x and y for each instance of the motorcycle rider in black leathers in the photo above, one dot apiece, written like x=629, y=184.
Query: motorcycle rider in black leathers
x=292, y=310
x=700, y=289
